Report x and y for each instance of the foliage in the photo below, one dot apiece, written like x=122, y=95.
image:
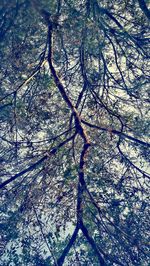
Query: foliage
x=74, y=128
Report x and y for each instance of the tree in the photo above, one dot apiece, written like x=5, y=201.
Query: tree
x=74, y=105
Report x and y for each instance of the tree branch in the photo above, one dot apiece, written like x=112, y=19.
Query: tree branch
x=93, y=244
x=116, y=132
x=144, y=8
x=60, y=261
x=35, y=165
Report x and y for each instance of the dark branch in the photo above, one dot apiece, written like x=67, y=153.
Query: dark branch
x=116, y=132
x=35, y=165
x=60, y=261
x=144, y=8
x=92, y=243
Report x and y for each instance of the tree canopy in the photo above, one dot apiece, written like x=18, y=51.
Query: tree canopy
x=74, y=129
